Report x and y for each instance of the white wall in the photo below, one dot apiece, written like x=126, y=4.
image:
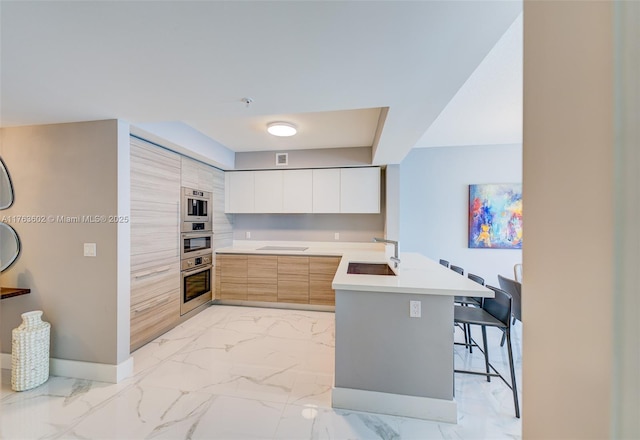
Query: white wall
x=309, y=227
x=434, y=204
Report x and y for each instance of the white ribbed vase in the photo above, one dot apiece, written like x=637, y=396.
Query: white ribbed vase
x=30, y=352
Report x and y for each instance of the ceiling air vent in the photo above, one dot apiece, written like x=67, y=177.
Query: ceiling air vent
x=282, y=159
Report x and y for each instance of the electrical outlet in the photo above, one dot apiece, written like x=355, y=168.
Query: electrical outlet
x=89, y=249
x=415, y=309
x=336, y=236
x=247, y=234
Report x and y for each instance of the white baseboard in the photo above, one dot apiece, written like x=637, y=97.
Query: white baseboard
x=395, y=404
x=274, y=305
x=83, y=370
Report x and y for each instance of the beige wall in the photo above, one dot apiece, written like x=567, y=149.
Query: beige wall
x=568, y=193
x=69, y=170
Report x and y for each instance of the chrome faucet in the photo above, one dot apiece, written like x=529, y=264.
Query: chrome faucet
x=395, y=258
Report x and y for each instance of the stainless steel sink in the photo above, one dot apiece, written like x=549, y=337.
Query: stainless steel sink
x=370, y=269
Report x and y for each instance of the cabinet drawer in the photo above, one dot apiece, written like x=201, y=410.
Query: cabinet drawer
x=216, y=292
x=155, y=281
x=233, y=290
x=322, y=270
x=262, y=292
x=151, y=318
x=324, y=265
x=320, y=290
x=146, y=262
x=293, y=291
x=233, y=268
x=293, y=266
x=264, y=268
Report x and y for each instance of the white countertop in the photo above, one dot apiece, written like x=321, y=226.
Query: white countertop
x=416, y=274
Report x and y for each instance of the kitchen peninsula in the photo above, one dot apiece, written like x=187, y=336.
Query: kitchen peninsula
x=385, y=360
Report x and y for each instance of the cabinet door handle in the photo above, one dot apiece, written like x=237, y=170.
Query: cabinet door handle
x=179, y=229
x=153, y=272
x=157, y=302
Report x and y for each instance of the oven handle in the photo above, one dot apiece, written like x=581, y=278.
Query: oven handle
x=153, y=272
x=196, y=270
x=180, y=243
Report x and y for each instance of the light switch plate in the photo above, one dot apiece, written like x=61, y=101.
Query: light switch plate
x=89, y=249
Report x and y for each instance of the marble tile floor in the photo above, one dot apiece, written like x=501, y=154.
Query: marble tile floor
x=245, y=373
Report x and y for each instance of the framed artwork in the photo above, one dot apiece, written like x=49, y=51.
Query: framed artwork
x=495, y=216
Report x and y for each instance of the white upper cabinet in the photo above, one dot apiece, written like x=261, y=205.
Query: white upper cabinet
x=267, y=191
x=297, y=191
x=360, y=190
x=326, y=191
x=336, y=190
x=239, y=192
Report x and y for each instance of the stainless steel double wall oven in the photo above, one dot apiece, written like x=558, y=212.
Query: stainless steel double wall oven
x=196, y=252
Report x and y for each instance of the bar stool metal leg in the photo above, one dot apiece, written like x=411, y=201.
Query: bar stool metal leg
x=486, y=353
x=513, y=374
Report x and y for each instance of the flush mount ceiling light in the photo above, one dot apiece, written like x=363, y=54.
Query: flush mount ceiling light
x=281, y=129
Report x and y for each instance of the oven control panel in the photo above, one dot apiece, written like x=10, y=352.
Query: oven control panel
x=195, y=262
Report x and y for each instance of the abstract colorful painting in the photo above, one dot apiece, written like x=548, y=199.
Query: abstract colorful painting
x=495, y=216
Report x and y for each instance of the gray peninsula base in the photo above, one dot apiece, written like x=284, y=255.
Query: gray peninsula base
x=388, y=362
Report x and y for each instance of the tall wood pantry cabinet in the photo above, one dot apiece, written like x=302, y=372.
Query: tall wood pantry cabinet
x=155, y=252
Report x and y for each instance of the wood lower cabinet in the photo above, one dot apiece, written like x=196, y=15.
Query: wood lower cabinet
x=262, y=278
x=321, y=273
x=276, y=278
x=233, y=276
x=216, y=284
x=293, y=279
x=155, y=301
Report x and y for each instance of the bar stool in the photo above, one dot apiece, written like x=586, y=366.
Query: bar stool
x=465, y=301
x=517, y=272
x=472, y=301
x=513, y=288
x=457, y=269
x=495, y=312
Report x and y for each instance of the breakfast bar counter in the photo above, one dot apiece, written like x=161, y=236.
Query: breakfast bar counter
x=387, y=361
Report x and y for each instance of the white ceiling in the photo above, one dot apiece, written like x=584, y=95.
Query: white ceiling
x=329, y=66
x=331, y=129
x=488, y=107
